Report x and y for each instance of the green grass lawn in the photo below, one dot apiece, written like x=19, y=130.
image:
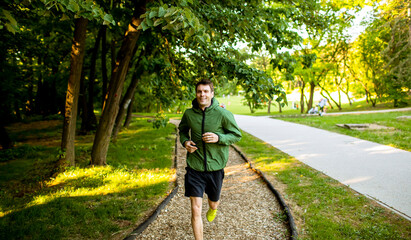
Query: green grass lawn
x=322, y=207
x=85, y=202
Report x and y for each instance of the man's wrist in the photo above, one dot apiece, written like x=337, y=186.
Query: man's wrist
x=218, y=138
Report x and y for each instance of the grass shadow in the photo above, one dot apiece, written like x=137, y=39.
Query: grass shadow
x=81, y=217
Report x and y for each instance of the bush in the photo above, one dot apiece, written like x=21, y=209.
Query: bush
x=161, y=120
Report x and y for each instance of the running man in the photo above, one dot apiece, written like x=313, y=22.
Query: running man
x=206, y=131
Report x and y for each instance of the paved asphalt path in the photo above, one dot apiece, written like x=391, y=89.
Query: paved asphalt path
x=380, y=172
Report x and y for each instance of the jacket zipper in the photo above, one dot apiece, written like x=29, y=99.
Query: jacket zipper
x=204, y=144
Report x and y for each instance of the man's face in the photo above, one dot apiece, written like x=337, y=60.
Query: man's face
x=204, y=95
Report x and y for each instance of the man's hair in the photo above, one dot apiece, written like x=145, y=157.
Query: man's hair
x=205, y=82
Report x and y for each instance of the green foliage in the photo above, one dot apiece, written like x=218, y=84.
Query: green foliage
x=174, y=18
x=161, y=120
x=35, y=60
x=286, y=64
x=7, y=20
x=381, y=55
x=67, y=8
x=318, y=59
x=397, y=53
x=181, y=42
x=258, y=87
x=78, y=8
x=200, y=39
x=16, y=153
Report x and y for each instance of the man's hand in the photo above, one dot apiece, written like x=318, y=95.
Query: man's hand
x=209, y=137
x=190, y=146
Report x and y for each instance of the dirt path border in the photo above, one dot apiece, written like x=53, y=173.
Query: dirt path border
x=284, y=206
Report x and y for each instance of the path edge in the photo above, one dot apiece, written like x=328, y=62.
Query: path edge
x=137, y=231
x=283, y=204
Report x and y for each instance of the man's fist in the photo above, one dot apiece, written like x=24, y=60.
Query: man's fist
x=209, y=137
x=190, y=146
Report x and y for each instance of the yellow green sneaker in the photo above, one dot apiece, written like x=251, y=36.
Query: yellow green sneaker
x=211, y=214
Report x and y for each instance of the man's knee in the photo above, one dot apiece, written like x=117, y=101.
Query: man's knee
x=212, y=204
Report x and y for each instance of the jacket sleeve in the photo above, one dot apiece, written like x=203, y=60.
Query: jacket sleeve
x=232, y=133
x=184, y=129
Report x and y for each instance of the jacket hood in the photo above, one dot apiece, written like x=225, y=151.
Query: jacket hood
x=214, y=104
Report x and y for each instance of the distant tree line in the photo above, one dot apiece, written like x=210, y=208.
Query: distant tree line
x=377, y=65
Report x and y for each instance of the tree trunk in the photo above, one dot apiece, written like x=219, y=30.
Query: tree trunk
x=111, y=106
x=347, y=93
x=280, y=109
x=39, y=93
x=128, y=97
x=125, y=103
x=70, y=114
x=83, y=104
x=91, y=120
x=30, y=104
x=366, y=96
x=373, y=101
x=311, y=100
x=302, y=97
x=306, y=101
x=328, y=101
x=129, y=112
x=251, y=108
x=104, y=63
x=269, y=106
x=5, y=140
x=17, y=108
x=113, y=54
x=53, y=93
x=332, y=99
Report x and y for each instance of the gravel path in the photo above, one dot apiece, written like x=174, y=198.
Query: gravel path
x=248, y=210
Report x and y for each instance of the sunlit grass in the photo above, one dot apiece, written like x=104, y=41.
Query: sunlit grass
x=100, y=181
x=322, y=207
x=85, y=202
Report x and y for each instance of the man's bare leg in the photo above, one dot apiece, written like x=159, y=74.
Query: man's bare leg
x=196, y=221
x=213, y=205
x=212, y=210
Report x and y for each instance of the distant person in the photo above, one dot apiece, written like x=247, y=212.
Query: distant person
x=295, y=105
x=206, y=131
x=321, y=106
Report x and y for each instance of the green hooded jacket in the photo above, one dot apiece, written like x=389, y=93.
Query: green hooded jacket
x=215, y=119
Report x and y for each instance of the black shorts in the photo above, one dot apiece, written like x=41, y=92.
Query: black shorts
x=196, y=183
